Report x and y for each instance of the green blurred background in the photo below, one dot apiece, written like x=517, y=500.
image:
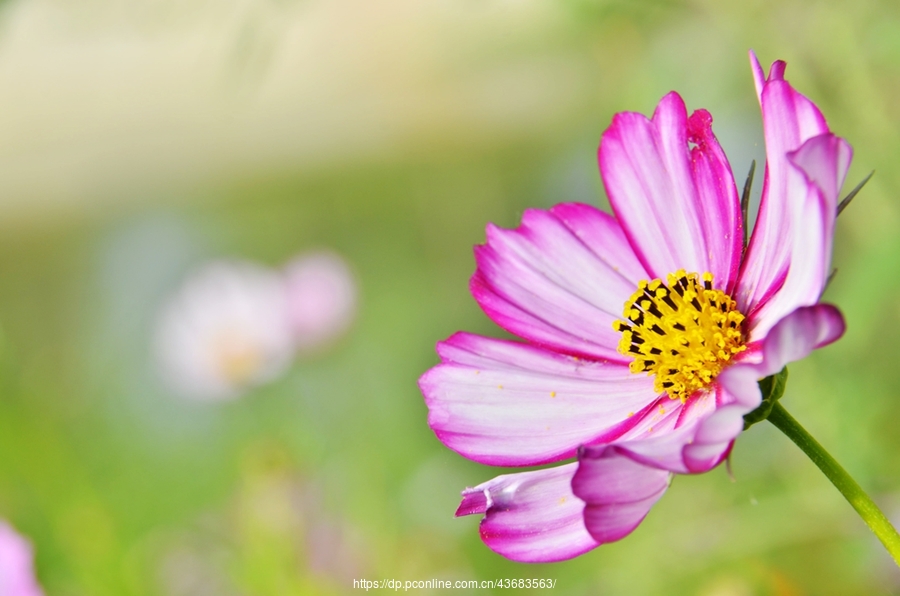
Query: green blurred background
x=139, y=138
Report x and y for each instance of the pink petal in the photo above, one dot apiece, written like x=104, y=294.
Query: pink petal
x=825, y=161
x=820, y=166
x=17, y=576
x=677, y=204
x=714, y=438
x=559, y=280
x=511, y=404
x=531, y=517
x=741, y=382
x=664, y=450
x=618, y=492
x=602, y=235
x=793, y=338
x=701, y=440
x=798, y=334
x=789, y=120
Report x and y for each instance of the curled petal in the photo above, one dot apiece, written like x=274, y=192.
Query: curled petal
x=662, y=450
x=824, y=160
x=618, y=492
x=820, y=166
x=789, y=121
x=793, y=338
x=559, y=280
x=741, y=381
x=714, y=438
x=507, y=403
x=798, y=334
x=701, y=439
x=532, y=517
x=678, y=203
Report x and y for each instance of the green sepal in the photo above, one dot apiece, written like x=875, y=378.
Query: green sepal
x=772, y=388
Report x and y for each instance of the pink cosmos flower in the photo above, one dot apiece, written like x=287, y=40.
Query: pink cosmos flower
x=646, y=331
x=16, y=564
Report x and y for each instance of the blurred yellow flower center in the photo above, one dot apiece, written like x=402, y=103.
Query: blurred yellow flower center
x=683, y=331
x=238, y=358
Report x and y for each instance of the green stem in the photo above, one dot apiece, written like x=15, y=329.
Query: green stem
x=855, y=495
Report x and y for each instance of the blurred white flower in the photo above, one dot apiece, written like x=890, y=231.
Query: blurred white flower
x=321, y=298
x=227, y=329
x=16, y=564
x=234, y=325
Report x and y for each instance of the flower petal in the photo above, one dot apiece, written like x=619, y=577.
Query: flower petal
x=789, y=120
x=618, y=492
x=531, y=517
x=559, y=280
x=664, y=450
x=700, y=440
x=820, y=165
x=798, y=334
x=714, y=437
x=793, y=338
x=678, y=205
x=17, y=576
x=511, y=404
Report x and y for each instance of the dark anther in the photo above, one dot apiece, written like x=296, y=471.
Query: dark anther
x=655, y=351
x=696, y=304
x=707, y=284
x=679, y=326
x=670, y=302
x=653, y=309
x=638, y=319
x=671, y=371
x=636, y=339
x=674, y=352
x=657, y=330
x=667, y=384
x=634, y=349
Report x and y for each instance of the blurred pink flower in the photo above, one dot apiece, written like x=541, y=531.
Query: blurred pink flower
x=321, y=298
x=703, y=318
x=234, y=325
x=225, y=330
x=16, y=564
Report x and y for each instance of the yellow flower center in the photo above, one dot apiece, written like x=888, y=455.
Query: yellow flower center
x=683, y=331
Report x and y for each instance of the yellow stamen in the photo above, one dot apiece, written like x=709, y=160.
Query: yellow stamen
x=683, y=331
